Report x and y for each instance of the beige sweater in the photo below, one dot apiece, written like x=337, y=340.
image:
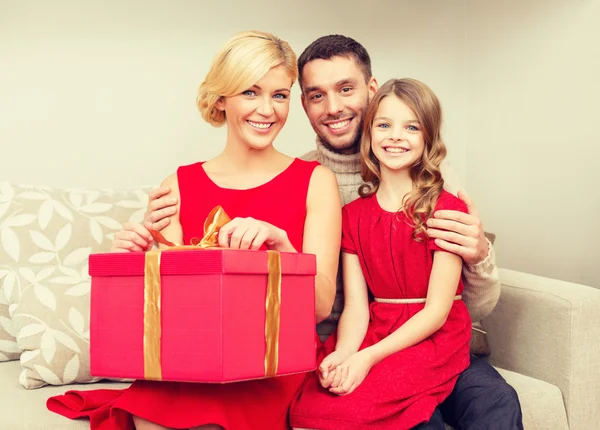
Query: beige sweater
x=482, y=283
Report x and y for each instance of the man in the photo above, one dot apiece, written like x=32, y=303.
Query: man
x=337, y=84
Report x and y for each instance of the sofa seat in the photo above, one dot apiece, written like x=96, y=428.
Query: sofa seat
x=22, y=409
x=542, y=403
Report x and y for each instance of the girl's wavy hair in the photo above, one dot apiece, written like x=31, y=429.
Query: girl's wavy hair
x=426, y=176
x=243, y=61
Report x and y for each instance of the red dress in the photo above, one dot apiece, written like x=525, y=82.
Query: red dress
x=403, y=389
x=259, y=404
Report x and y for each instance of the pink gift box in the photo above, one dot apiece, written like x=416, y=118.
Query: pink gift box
x=212, y=315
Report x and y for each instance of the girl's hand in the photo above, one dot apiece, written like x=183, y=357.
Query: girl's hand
x=351, y=373
x=328, y=366
x=250, y=233
x=134, y=237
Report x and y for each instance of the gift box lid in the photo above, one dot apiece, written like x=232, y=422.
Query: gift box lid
x=198, y=262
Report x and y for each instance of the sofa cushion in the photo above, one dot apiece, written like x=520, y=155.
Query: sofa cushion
x=22, y=409
x=47, y=236
x=542, y=403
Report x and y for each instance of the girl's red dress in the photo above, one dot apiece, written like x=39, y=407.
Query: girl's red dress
x=404, y=389
x=259, y=404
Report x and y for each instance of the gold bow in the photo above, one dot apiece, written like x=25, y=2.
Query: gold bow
x=216, y=219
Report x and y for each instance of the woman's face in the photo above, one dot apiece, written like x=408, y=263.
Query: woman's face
x=256, y=115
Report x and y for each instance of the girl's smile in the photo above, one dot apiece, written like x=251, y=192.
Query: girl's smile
x=396, y=137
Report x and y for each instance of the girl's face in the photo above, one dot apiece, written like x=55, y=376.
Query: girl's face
x=396, y=135
x=256, y=116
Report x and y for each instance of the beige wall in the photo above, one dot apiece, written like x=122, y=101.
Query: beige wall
x=532, y=158
x=102, y=93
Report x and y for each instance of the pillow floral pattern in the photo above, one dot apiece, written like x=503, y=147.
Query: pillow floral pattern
x=46, y=236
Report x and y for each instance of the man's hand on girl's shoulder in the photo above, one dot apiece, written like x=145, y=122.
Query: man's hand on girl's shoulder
x=459, y=232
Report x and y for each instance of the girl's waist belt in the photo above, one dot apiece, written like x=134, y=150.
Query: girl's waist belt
x=407, y=301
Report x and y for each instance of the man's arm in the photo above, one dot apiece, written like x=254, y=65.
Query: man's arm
x=482, y=286
x=162, y=205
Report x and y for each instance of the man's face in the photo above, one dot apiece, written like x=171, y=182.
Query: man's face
x=335, y=98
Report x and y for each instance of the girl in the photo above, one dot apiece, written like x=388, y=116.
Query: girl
x=275, y=202
x=395, y=359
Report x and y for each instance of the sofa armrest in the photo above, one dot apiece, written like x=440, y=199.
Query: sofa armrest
x=550, y=330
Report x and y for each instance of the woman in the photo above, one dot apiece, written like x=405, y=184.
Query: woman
x=275, y=202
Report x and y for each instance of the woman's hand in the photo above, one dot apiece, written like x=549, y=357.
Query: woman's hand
x=250, y=233
x=134, y=237
x=351, y=373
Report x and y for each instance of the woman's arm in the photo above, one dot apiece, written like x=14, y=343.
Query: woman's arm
x=443, y=282
x=322, y=235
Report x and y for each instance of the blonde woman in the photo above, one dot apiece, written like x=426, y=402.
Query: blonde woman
x=394, y=360
x=275, y=202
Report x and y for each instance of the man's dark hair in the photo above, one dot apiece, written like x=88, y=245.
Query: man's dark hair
x=327, y=47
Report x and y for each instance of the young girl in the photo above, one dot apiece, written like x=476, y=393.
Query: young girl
x=275, y=202
x=394, y=359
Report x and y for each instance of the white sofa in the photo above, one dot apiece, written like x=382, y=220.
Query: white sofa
x=544, y=334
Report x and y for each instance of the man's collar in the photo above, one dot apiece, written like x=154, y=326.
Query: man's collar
x=336, y=162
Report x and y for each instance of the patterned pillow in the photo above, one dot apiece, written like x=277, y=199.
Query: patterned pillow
x=46, y=236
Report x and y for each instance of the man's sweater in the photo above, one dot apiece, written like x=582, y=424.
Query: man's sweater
x=482, y=284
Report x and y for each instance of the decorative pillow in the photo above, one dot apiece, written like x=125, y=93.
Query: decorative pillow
x=46, y=236
x=8, y=344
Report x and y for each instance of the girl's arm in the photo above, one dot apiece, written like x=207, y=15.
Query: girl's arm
x=322, y=235
x=445, y=275
x=444, y=279
x=353, y=323
x=354, y=320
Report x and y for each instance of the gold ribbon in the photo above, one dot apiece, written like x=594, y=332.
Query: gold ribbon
x=273, y=305
x=216, y=219
x=152, y=328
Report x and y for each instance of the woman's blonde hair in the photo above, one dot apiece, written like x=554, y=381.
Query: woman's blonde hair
x=243, y=61
x=426, y=176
